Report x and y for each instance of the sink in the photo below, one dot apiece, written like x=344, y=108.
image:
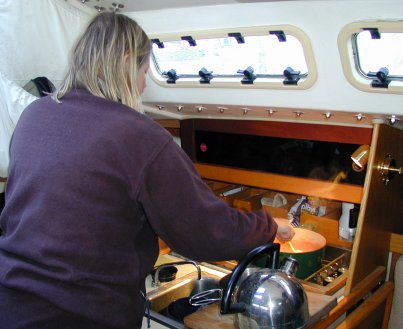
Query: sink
x=185, y=286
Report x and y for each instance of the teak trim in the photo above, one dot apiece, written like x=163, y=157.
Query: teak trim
x=396, y=243
x=318, y=132
x=359, y=291
x=300, y=186
x=370, y=305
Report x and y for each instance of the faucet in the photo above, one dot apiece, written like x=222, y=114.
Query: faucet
x=155, y=279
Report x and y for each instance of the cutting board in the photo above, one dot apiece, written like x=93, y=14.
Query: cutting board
x=209, y=317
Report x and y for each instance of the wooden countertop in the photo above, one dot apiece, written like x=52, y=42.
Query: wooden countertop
x=209, y=316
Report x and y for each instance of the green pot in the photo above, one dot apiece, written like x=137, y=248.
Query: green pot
x=311, y=249
x=309, y=262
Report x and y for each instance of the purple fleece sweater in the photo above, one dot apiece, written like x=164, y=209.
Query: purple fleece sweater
x=92, y=184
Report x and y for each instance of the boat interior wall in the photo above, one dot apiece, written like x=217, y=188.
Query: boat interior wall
x=331, y=91
x=36, y=36
x=143, y=5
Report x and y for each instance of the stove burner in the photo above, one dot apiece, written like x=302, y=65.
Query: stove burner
x=330, y=270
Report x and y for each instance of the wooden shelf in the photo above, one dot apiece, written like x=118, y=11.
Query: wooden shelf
x=301, y=186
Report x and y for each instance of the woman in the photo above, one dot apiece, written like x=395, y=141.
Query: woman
x=92, y=184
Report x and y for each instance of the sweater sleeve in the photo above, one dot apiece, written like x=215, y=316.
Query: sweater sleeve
x=186, y=214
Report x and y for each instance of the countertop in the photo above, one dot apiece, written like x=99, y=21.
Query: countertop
x=153, y=325
x=210, y=317
x=182, y=271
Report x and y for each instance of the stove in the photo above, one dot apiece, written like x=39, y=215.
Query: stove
x=333, y=274
x=331, y=277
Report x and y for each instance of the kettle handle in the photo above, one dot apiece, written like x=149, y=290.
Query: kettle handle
x=272, y=248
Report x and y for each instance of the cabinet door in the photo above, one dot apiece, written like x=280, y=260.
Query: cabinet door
x=381, y=207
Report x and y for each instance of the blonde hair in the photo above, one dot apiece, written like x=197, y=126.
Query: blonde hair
x=107, y=58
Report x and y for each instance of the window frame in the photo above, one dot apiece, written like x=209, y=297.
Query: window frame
x=273, y=82
x=349, y=57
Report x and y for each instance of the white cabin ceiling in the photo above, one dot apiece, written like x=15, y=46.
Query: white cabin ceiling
x=142, y=5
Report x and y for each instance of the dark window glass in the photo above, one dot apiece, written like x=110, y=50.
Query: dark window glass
x=293, y=157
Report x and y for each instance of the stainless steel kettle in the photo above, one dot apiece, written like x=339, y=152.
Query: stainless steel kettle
x=268, y=298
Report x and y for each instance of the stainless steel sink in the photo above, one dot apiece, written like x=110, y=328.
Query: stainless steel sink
x=186, y=286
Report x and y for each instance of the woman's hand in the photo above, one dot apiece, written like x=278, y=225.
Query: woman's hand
x=285, y=233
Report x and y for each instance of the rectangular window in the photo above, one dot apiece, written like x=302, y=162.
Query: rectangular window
x=227, y=57
x=376, y=51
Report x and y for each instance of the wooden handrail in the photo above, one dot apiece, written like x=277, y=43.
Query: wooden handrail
x=360, y=290
x=384, y=293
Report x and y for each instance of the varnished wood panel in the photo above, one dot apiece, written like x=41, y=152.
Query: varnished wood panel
x=373, y=312
x=396, y=242
x=381, y=207
x=168, y=123
x=370, y=282
x=326, y=133
x=328, y=228
x=173, y=126
x=300, y=186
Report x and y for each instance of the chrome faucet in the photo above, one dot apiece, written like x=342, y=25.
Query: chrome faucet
x=155, y=279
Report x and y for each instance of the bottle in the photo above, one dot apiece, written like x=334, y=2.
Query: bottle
x=353, y=220
x=344, y=222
